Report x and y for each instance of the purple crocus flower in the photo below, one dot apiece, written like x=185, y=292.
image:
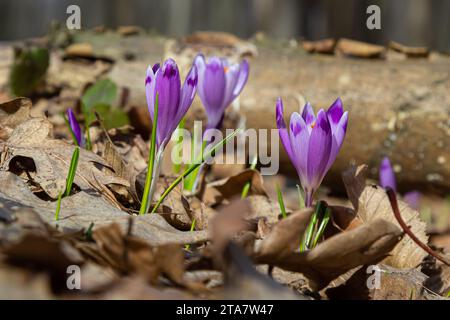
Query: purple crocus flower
x=75, y=127
x=219, y=84
x=312, y=142
x=387, y=175
x=387, y=180
x=412, y=198
x=174, y=100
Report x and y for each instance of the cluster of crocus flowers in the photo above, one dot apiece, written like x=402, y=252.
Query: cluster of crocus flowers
x=75, y=128
x=312, y=142
x=219, y=84
x=174, y=100
x=387, y=180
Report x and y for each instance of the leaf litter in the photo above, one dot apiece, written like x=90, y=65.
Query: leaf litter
x=236, y=246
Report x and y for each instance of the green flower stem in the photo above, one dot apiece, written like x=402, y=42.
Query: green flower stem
x=69, y=180
x=281, y=202
x=247, y=185
x=145, y=203
x=191, y=169
x=188, y=246
x=323, y=225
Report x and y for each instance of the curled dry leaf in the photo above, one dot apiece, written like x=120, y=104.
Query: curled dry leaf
x=45, y=161
x=260, y=205
x=366, y=244
x=225, y=189
x=371, y=203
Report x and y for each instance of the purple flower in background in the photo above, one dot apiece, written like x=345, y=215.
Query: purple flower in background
x=219, y=84
x=387, y=180
x=312, y=142
x=75, y=127
x=387, y=175
x=174, y=100
x=413, y=198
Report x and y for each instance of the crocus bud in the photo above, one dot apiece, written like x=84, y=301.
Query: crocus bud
x=174, y=100
x=75, y=127
x=312, y=142
x=387, y=175
x=219, y=84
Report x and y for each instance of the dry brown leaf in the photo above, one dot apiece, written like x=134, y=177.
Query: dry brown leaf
x=50, y=160
x=17, y=283
x=285, y=236
x=216, y=192
x=12, y=113
x=78, y=211
x=243, y=281
x=136, y=288
x=366, y=244
x=129, y=254
x=371, y=202
x=395, y=284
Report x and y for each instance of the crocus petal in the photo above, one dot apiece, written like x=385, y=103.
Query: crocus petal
x=299, y=141
x=168, y=89
x=150, y=88
x=387, y=175
x=338, y=135
x=187, y=94
x=214, y=88
x=75, y=127
x=282, y=130
x=413, y=198
x=308, y=114
x=231, y=80
x=319, y=150
x=335, y=112
x=242, y=78
x=155, y=67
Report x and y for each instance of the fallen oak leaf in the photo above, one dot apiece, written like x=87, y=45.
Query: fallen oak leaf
x=371, y=202
x=285, y=236
x=366, y=244
x=51, y=159
x=81, y=209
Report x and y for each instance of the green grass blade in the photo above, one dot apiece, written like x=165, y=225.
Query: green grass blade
x=188, y=246
x=301, y=201
x=145, y=203
x=323, y=225
x=58, y=206
x=192, y=168
x=72, y=171
x=306, y=243
x=247, y=186
x=281, y=202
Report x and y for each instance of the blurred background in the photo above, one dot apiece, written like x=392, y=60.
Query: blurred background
x=411, y=22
